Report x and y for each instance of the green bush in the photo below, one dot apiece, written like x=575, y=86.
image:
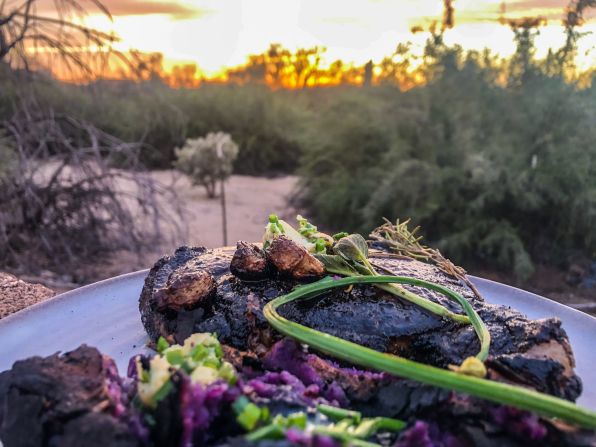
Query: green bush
x=207, y=160
x=497, y=176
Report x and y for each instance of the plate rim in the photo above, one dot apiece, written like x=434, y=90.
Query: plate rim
x=75, y=292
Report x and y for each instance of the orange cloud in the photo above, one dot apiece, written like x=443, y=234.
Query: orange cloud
x=555, y=8
x=144, y=7
x=176, y=10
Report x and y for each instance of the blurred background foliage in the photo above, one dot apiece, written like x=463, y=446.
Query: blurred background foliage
x=494, y=158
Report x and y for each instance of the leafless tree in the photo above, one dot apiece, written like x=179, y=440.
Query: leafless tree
x=69, y=192
x=74, y=192
x=30, y=34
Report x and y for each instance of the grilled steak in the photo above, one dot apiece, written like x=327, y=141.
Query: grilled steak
x=69, y=400
x=534, y=353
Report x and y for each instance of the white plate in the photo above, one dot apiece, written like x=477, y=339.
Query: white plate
x=106, y=315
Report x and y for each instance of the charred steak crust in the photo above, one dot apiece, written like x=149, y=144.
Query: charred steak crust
x=154, y=315
x=60, y=400
x=249, y=262
x=534, y=353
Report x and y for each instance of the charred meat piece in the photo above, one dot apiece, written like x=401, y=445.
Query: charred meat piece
x=249, y=262
x=185, y=288
x=534, y=353
x=293, y=260
x=170, y=285
x=62, y=400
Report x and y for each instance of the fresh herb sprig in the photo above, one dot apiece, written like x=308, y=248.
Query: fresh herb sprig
x=351, y=259
x=501, y=393
x=403, y=241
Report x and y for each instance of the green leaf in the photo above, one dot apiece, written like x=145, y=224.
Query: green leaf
x=336, y=264
x=338, y=236
x=352, y=248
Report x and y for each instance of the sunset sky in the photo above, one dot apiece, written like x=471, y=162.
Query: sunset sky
x=220, y=33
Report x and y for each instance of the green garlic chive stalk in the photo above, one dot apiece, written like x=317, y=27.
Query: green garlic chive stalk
x=501, y=393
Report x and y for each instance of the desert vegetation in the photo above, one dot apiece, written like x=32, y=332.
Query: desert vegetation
x=493, y=157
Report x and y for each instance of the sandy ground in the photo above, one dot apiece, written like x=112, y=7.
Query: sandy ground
x=16, y=294
x=249, y=201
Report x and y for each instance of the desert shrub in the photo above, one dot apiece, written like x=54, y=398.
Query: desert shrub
x=264, y=123
x=497, y=176
x=207, y=160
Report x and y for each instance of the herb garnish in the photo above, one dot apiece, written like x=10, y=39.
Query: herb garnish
x=400, y=240
x=351, y=259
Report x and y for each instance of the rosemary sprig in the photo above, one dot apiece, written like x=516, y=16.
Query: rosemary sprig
x=402, y=241
x=497, y=392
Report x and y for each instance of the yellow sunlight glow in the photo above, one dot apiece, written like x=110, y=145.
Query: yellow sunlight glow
x=219, y=34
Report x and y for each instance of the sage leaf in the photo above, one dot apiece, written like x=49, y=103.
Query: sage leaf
x=352, y=248
x=336, y=264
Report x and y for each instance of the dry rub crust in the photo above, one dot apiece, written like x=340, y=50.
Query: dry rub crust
x=293, y=260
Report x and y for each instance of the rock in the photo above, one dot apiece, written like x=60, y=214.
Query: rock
x=16, y=294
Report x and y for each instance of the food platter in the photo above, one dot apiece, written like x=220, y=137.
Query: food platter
x=105, y=315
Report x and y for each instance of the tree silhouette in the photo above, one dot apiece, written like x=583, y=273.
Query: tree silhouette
x=27, y=37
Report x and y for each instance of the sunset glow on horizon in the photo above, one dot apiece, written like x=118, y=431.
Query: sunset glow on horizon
x=216, y=35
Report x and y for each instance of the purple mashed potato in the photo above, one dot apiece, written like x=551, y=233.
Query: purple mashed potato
x=201, y=405
x=423, y=434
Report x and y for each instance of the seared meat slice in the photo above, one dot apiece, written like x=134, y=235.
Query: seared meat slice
x=186, y=288
x=179, y=289
x=249, y=262
x=533, y=353
x=294, y=261
x=62, y=400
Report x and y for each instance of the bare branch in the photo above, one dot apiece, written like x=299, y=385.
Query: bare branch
x=75, y=192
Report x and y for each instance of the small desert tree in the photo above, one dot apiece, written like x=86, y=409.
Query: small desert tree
x=207, y=160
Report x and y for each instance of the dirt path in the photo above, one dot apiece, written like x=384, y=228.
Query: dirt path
x=249, y=201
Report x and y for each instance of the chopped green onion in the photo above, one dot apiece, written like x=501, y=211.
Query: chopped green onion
x=270, y=431
x=248, y=414
x=199, y=352
x=336, y=413
x=497, y=392
x=162, y=345
x=175, y=356
x=162, y=392
x=249, y=417
x=369, y=427
x=297, y=420
x=338, y=236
